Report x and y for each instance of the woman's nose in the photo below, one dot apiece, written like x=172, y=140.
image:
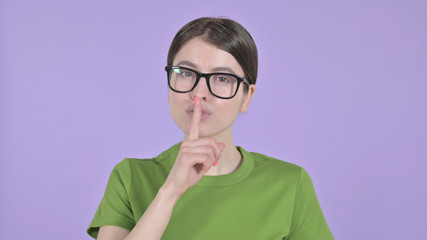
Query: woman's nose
x=201, y=91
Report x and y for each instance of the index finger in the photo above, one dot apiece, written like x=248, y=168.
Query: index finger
x=195, y=120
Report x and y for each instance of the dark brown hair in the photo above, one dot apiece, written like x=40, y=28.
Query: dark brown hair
x=227, y=35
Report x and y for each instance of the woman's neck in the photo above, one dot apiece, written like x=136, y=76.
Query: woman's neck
x=231, y=158
x=230, y=161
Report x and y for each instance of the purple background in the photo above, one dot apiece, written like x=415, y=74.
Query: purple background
x=341, y=91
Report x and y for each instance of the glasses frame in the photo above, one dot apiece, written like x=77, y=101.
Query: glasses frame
x=207, y=76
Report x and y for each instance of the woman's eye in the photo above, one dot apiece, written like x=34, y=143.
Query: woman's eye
x=187, y=74
x=223, y=79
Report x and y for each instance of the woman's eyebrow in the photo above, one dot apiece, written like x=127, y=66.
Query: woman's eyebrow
x=188, y=63
x=217, y=69
x=224, y=69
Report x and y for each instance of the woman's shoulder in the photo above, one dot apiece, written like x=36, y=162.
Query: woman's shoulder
x=162, y=161
x=276, y=165
x=127, y=163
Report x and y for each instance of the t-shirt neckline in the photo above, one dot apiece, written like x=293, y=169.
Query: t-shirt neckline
x=238, y=175
x=220, y=180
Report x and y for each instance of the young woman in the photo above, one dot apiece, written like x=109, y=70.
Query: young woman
x=205, y=187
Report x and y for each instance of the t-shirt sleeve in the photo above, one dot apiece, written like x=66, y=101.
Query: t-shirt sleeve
x=308, y=221
x=115, y=208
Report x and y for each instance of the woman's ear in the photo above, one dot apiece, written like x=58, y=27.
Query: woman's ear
x=247, y=98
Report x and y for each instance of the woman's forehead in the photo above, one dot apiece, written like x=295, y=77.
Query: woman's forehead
x=205, y=57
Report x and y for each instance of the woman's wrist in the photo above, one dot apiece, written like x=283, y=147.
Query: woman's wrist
x=168, y=193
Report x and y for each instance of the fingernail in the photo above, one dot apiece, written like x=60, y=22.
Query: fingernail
x=196, y=100
x=215, y=164
x=223, y=143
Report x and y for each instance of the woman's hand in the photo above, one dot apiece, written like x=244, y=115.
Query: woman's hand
x=196, y=156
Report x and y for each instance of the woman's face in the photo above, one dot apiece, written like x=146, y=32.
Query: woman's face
x=218, y=114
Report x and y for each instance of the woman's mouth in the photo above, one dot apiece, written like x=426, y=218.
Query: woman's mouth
x=206, y=112
x=203, y=117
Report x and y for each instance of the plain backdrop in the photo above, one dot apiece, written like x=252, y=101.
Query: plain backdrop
x=341, y=92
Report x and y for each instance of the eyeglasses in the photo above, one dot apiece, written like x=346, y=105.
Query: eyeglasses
x=221, y=85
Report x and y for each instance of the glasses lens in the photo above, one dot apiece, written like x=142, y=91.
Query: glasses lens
x=223, y=85
x=181, y=79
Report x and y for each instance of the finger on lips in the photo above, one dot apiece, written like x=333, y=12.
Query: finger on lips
x=207, y=146
x=195, y=120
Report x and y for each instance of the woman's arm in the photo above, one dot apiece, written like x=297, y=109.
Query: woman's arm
x=151, y=225
x=155, y=219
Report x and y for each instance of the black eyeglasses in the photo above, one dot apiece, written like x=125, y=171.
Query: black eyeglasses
x=221, y=85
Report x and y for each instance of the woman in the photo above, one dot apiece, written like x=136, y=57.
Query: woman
x=206, y=187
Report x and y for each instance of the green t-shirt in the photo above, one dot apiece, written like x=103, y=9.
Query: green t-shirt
x=264, y=198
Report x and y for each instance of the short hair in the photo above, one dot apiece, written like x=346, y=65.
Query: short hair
x=227, y=35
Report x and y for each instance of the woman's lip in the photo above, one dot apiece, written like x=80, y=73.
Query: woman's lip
x=204, y=109
x=203, y=117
